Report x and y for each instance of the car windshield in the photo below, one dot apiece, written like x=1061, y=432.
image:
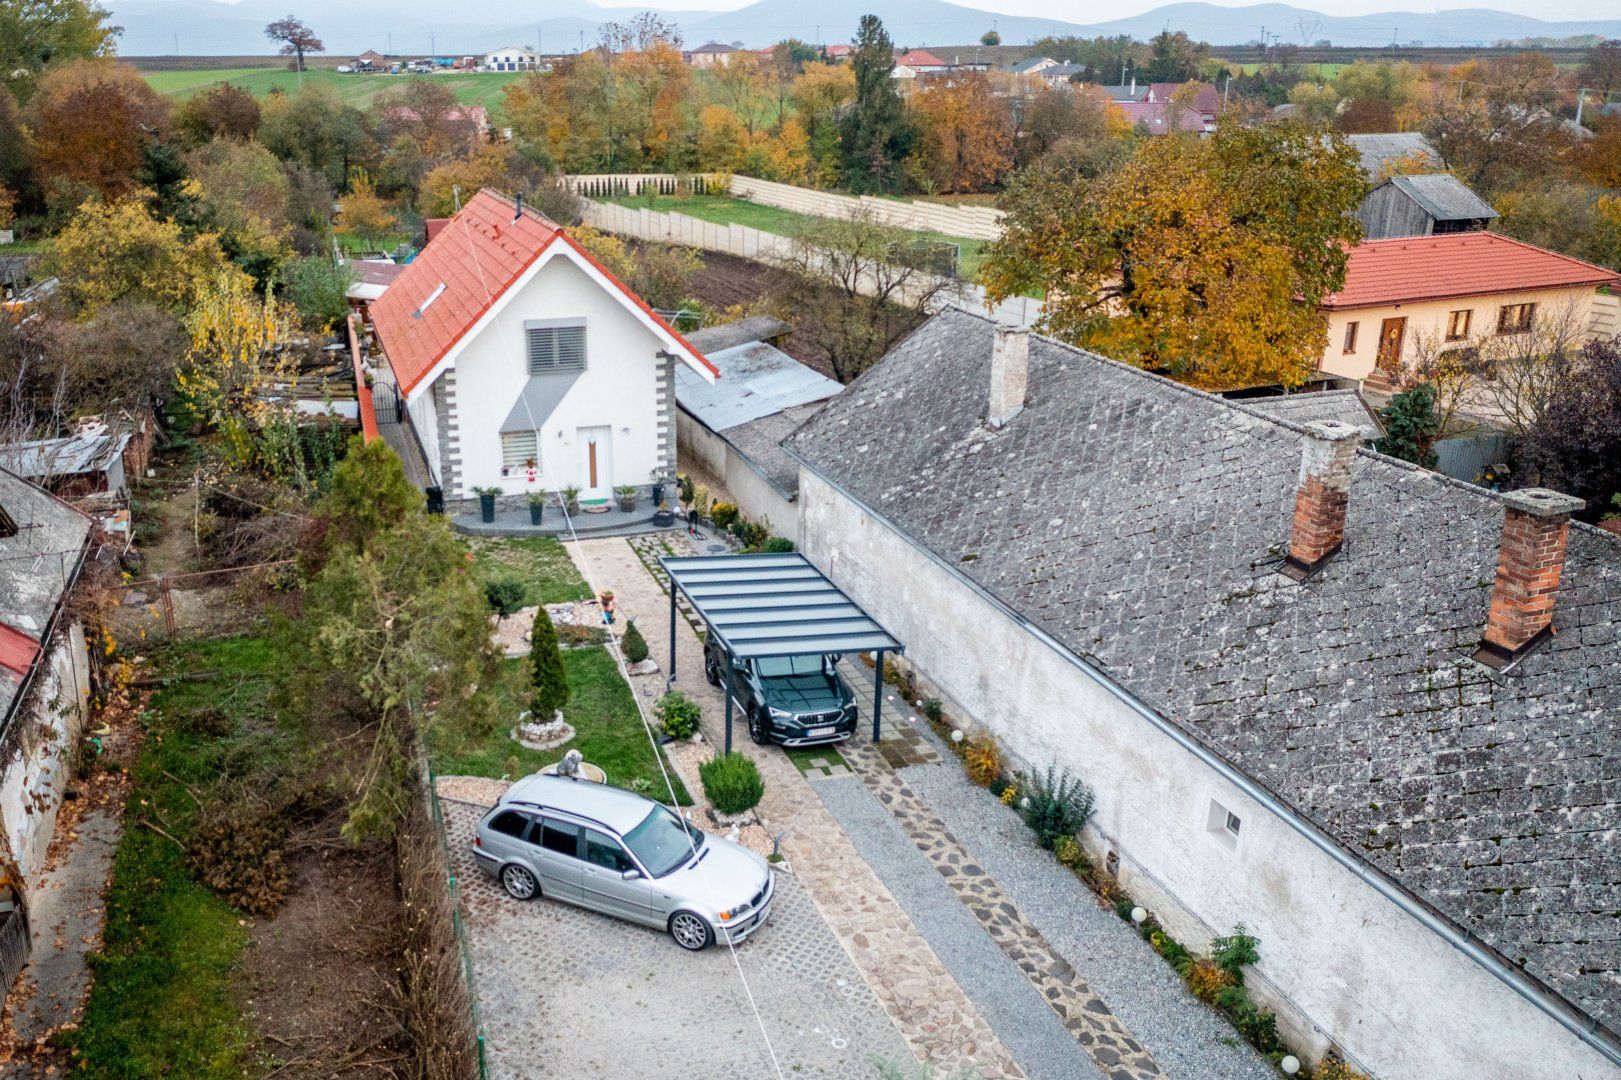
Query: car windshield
x=663, y=841
x=780, y=667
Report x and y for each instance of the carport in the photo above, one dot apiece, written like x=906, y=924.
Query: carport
x=762, y=606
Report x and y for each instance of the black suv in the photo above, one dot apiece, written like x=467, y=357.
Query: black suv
x=788, y=700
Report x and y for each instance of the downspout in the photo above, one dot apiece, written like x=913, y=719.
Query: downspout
x=1579, y=1024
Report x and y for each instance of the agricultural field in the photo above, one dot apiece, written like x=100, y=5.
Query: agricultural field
x=471, y=87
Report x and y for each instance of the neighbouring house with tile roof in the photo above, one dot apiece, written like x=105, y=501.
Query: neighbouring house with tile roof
x=44, y=686
x=1407, y=294
x=711, y=54
x=1365, y=710
x=1423, y=205
x=508, y=357
x=919, y=61
x=734, y=427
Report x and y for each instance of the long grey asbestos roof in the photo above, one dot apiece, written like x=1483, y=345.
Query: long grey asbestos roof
x=1444, y=197
x=1376, y=150
x=1141, y=524
x=756, y=380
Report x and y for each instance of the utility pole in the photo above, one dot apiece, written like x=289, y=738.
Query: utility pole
x=1228, y=85
x=177, y=48
x=582, y=43
x=1581, y=96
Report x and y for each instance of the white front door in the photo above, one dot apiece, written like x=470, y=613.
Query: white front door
x=596, y=463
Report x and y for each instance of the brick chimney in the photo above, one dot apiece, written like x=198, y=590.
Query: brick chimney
x=1321, y=497
x=1530, y=563
x=1010, y=373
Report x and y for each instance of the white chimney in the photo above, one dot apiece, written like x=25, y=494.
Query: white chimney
x=1010, y=372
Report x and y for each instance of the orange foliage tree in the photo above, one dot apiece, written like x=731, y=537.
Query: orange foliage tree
x=966, y=133
x=90, y=121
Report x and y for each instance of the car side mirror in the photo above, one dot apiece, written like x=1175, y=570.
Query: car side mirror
x=740, y=664
x=631, y=875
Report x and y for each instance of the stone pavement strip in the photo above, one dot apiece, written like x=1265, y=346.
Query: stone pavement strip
x=928, y=1006
x=1116, y=1051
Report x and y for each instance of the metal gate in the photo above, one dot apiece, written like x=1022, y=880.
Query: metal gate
x=385, y=400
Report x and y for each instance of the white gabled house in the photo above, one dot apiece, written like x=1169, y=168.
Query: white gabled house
x=513, y=359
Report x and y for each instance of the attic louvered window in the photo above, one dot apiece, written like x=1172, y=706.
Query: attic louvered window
x=555, y=349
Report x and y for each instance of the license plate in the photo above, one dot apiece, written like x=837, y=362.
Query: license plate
x=818, y=732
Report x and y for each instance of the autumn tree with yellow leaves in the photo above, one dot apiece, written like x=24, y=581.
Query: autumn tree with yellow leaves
x=1203, y=259
x=112, y=251
x=362, y=213
x=965, y=134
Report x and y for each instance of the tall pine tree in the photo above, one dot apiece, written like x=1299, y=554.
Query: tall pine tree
x=876, y=132
x=551, y=683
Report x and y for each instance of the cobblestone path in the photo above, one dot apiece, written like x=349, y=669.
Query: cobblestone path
x=931, y=1011
x=1105, y=1039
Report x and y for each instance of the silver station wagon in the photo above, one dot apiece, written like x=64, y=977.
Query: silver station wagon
x=613, y=851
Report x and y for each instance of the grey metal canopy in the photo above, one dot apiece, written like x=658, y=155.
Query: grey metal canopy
x=773, y=605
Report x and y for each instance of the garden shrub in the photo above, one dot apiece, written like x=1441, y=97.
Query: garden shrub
x=1233, y=952
x=1206, y=980
x=1059, y=805
x=1071, y=854
x=732, y=783
x=982, y=760
x=550, y=681
x=505, y=595
x=633, y=644
x=678, y=715
x=574, y=636
x=1259, y=1026
x=1123, y=905
x=934, y=710
x=1169, y=948
x=1332, y=1068
x=722, y=514
x=778, y=545
x=751, y=534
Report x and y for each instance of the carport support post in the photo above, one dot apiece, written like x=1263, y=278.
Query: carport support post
x=726, y=688
x=877, y=690
x=671, y=681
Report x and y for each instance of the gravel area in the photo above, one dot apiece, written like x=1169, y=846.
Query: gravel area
x=1190, y=1040
x=1016, y=1012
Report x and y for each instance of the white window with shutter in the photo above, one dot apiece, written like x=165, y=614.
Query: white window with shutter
x=556, y=346
x=518, y=449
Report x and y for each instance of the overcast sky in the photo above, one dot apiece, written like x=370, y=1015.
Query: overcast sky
x=1085, y=13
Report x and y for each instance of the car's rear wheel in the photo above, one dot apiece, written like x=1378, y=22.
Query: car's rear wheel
x=757, y=727
x=711, y=669
x=519, y=883
x=690, y=931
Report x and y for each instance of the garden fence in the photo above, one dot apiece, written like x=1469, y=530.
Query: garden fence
x=463, y=948
x=169, y=605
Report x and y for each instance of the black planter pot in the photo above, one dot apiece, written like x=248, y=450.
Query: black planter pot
x=534, y=513
x=663, y=519
x=658, y=494
x=486, y=508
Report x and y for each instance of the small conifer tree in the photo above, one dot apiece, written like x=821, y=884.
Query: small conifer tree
x=551, y=682
x=633, y=645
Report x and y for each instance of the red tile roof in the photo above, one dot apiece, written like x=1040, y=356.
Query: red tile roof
x=1407, y=269
x=1206, y=100
x=1155, y=115
x=460, y=275
x=918, y=58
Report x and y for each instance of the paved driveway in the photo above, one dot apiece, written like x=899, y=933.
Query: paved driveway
x=565, y=992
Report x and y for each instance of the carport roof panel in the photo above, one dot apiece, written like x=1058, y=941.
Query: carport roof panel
x=775, y=605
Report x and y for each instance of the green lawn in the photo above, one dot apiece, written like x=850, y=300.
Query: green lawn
x=163, y=1003
x=471, y=87
x=725, y=210
x=540, y=562
x=608, y=731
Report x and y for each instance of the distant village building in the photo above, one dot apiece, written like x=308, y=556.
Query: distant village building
x=917, y=62
x=1430, y=204
x=1447, y=290
x=370, y=60
x=514, y=58
x=712, y=54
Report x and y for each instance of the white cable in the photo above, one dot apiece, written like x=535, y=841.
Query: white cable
x=624, y=673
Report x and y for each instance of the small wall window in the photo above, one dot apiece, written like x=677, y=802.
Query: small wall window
x=1224, y=825
x=1350, y=338
x=518, y=450
x=555, y=349
x=1515, y=318
x=1458, y=324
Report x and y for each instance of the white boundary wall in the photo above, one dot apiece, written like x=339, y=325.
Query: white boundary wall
x=973, y=222
x=640, y=223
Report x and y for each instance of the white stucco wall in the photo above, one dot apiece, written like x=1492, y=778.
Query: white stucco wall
x=38, y=754
x=1339, y=960
x=1427, y=321
x=756, y=496
x=619, y=389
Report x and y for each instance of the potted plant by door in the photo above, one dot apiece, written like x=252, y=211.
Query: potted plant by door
x=537, y=503
x=486, y=502
x=571, y=500
x=658, y=488
x=627, y=497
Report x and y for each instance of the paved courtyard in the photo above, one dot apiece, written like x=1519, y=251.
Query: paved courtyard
x=565, y=992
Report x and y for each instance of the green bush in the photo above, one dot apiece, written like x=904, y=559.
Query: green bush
x=633, y=644
x=778, y=545
x=1233, y=952
x=678, y=715
x=934, y=710
x=1059, y=805
x=505, y=595
x=551, y=690
x=732, y=783
x=1412, y=425
x=722, y=514
x=751, y=534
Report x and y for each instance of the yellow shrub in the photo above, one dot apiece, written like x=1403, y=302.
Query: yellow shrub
x=1332, y=1068
x=982, y=760
x=1009, y=794
x=1069, y=852
x=1206, y=980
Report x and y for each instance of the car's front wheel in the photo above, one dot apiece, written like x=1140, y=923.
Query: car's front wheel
x=711, y=669
x=757, y=727
x=690, y=931
x=519, y=883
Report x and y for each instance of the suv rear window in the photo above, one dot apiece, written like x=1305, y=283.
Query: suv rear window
x=510, y=823
x=777, y=667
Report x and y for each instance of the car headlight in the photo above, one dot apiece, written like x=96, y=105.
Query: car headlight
x=780, y=714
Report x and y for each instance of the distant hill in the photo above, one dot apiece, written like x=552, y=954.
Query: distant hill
x=210, y=27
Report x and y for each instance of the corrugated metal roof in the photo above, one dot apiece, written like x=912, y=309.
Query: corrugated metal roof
x=62, y=457
x=755, y=380
x=775, y=605
x=1444, y=197
x=1376, y=150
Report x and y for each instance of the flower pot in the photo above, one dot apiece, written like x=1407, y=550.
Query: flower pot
x=664, y=519
x=486, y=508
x=627, y=503
x=534, y=513
x=573, y=507
x=658, y=494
